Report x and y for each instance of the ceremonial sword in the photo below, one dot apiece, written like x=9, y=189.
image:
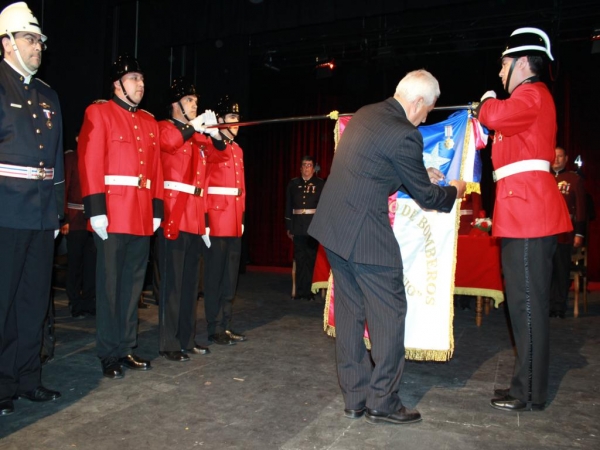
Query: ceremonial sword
x=334, y=115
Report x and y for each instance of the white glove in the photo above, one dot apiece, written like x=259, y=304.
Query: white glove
x=99, y=225
x=211, y=119
x=206, y=238
x=155, y=224
x=488, y=94
x=197, y=123
x=56, y=233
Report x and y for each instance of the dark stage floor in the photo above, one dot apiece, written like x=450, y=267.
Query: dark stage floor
x=279, y=389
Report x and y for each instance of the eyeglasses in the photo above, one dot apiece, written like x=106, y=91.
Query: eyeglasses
x=307, y=164
x=33, y=41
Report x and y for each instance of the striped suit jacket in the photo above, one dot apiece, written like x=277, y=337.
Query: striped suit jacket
x=379, y=153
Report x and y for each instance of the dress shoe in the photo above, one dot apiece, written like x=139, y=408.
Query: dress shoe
x=221, y=339
x=198, y=350
x=135, y=362
x=553, y=314
x=402, y=416
x=237, y=337
x=355, y=413
x=6, y=407
x=40, y=394
x=561, y=314
x=111, y=368
x=175, y=356
x=510, y=403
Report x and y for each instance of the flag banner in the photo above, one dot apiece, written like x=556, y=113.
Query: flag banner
x=428, y=240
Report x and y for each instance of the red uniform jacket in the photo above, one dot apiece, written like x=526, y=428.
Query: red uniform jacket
x=528, y=205
x=74, y=204
x=226, y=212
x=178, y=144
x=117, y=139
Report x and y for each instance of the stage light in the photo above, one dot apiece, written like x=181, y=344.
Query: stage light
x=324, y=67
x=596, y=41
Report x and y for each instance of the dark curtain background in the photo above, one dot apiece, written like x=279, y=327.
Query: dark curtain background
x=272, y=155
x=224, y=45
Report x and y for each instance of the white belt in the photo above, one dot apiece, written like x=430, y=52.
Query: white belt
x=182, y=187
x=122, y=180
x=77, y=206
x=466, y=212
x=224, y=191
x=304, y=211
x=527, y=165
x=29, y=173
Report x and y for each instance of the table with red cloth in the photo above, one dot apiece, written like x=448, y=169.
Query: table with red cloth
x=321, y=272
x=479, y=271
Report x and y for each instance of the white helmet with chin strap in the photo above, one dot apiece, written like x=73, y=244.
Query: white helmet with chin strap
x=19, y=18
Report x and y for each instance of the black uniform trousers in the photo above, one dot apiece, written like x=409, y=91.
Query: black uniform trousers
x=527, y=268
x=375, y=294
x=221, y=270
x=25, y=282
x=81, y=271
x=305, y=255
x=120, y=269
x=561, y=278
x=178, y=262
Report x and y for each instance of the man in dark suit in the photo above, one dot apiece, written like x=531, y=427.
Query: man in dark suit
x=380, y=152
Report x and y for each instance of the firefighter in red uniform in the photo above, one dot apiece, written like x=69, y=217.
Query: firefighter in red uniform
x=226, y=203
x=184, y=150
x=529, y=211
x=81, y=251
x=122, y=188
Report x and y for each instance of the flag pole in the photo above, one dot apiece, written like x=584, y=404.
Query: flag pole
x=334, y=115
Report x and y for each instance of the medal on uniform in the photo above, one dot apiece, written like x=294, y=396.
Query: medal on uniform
x=48, y=115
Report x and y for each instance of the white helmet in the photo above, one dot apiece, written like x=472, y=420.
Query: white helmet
x=528, y=41
x=18, y=17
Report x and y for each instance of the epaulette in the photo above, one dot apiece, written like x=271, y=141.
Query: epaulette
x=42, y=81
x=100, y=100
x=147, y=112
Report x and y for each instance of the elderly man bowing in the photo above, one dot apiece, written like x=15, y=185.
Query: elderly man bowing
x=380, y=152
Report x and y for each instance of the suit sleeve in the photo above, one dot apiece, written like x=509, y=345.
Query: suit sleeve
x=171, y=137
x=158, y=184
x=59, y=173
x=513, y=115
x=580, y=208
x=408, y=161
x=91, y=151
x=288, y=207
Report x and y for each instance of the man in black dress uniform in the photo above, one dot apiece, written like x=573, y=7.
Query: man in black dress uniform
x=302, y=197
x=32, y=199
x=570, y=185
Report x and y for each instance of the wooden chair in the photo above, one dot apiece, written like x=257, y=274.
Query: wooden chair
x=579, y=277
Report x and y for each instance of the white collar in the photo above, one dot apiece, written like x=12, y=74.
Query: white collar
x=26, y=78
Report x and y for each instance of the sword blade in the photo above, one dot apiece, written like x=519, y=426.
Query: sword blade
x=319, y=117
